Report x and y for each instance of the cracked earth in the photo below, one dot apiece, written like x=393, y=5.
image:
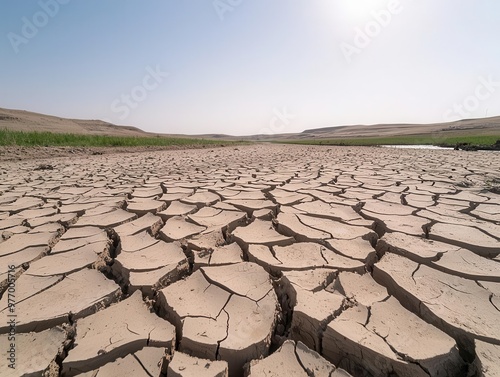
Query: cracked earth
x=259, y=260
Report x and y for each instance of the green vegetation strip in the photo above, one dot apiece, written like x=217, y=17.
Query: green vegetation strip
x=444, y=141
x=48, y=139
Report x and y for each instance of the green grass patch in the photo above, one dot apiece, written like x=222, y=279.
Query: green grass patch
x=445, y=141
x=49, y=139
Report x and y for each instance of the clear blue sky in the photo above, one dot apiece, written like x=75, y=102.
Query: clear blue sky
x=251, y=66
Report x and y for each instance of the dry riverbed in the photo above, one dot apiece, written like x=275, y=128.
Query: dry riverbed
x=262, y=260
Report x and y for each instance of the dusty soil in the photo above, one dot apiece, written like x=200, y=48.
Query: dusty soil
x=250, y=261
x=16, y=153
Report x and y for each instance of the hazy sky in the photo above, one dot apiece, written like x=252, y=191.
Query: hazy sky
x=251, y=66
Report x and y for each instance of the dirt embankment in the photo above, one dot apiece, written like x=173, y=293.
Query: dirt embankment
x=16, y=153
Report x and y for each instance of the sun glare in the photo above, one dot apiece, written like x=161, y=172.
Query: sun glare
x=356, y=9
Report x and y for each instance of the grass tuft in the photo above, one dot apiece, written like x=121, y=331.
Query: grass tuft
x=49, y=139
x=443, y=141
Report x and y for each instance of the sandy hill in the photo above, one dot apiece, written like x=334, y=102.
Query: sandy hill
x=485, y=126
x=20, y=120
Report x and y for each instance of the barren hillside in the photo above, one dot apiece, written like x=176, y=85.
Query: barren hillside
x=20, y=120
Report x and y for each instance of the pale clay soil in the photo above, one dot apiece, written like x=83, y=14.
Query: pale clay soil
x=261, y=260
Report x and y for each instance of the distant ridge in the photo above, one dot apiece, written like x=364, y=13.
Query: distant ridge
x=489, y=125
x=21, y=120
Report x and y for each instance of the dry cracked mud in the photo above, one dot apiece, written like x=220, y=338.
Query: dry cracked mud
x=261, y=260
